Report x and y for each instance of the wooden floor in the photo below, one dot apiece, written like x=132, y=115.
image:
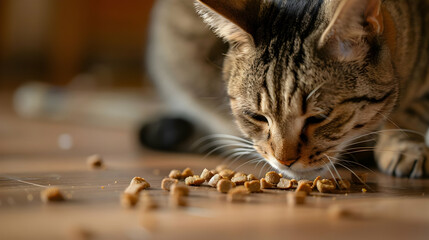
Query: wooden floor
x=31, y=160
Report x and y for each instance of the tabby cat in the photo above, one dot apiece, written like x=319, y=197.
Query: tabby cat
x=303, y=78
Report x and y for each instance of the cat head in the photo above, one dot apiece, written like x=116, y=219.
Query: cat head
x=304, y=77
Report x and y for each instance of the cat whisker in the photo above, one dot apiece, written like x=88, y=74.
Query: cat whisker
x=383, y=131
x=242, y=155
x=263, y=167
x=329, y=169
x=370, y=150
x=313, y=92
x=333, y=166
x=366, y=185
x=360, y=142
x=356, y=163
x=392, y=122
x=218, y=143
x=255, y=160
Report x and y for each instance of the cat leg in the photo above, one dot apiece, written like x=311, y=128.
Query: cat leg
x=405, y=153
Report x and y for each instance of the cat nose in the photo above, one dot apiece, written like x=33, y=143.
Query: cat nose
x=289, y=162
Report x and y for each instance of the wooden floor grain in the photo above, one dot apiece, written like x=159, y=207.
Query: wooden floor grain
x=31, y=160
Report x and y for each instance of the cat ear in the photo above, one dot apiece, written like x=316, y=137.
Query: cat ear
x=233, y=20
x=352, y=22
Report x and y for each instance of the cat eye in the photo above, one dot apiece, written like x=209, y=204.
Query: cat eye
x=316, y=119
x=256, y=117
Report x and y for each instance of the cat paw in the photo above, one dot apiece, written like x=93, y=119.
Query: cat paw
x=404, y=159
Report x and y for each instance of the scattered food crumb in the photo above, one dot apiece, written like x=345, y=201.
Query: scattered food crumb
x=336, y=212
x=194, y=180
x=272, y=177
x=206, y=174
x=102, y=187
x=94, y=161
x=325, y=186
x=227, y=173
x=284, y=183
x=213, y=181
x=179, y=189
x=237, y=194
x=176, y=174
x=187, y=173
x=265, y=184
x=167, y=183
x=251, y=177
x=129, y=200
x=239, y=178
x=364, y=190
x=224, y=185
x=304, y=186
x=136, y=185
x=52, y=194
x=253, y=186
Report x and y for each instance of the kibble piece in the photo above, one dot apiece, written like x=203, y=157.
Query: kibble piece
x=304, y=186
x=147, y=202
x=137, y=184
x=325, y=186
x=344, y=184
x=187, y=172
x=265, y=184
x=51, y=194
x=224, y=185
x=129, y=200
x=272, y=177
x=213, y=181
x=206, y=174
x=237, y=194
x=253, y=186
x=305, y=182
x=336, y=212
x=194, y=180
x=179, y=189
x=176, y=174
x=294, y=183
x=360, y=178
x=239, y=179
x=315, y=182
x=296, y=198
x=94, y=161
x=238, y=174
x=178, y=200
x=251, y=177
x=167, y=183
x=227, y=173
x=284, y=183
x=221, y=167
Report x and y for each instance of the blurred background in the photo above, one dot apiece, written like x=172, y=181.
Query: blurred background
x=75, y=60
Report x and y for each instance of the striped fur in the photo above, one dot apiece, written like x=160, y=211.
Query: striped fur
x=305, y=78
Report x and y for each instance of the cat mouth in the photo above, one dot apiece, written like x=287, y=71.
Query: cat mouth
x=296, y=171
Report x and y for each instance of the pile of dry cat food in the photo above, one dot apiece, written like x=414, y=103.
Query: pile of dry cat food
x=238, y=184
